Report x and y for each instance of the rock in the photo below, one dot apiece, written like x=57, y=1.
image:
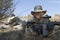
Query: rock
x=6, y=26
x=26, y=18
x=55, y=17
x=18, y=27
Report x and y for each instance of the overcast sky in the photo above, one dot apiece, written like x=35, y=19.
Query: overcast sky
x=24, y=7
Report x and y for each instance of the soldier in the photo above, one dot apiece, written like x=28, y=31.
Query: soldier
x=37, y=14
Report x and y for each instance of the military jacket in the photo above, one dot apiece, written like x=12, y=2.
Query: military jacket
x=43, y=26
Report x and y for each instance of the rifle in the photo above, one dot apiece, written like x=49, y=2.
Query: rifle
x=50, y=26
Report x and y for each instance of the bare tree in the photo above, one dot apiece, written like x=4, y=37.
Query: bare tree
x=6, y=8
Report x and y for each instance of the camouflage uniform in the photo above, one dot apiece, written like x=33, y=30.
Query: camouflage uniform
x=41, y=28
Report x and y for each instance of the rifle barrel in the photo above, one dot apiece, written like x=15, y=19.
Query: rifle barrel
x=56, y=23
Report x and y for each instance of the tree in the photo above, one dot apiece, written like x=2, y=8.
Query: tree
x=6, y=8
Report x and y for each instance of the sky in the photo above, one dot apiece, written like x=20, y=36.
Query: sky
x=24, y=7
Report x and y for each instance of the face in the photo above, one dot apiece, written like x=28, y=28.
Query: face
x=37, y=15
